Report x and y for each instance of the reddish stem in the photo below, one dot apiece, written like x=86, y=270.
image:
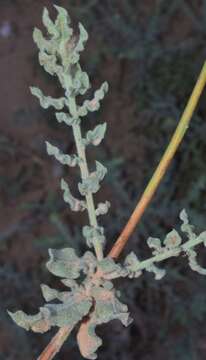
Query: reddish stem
x=55, y=344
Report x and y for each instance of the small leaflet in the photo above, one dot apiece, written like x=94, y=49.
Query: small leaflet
x=75, y=204
x=155, y=243
x=50, y=294
x=64, y=263
x=83, y=37
x=37, y=323
x=96, y=135
x=186, y=227
x=64, y=159
x=41, y=42
x=92, y=183
x=93, y=234
x=93, y=105
x=172, y=240
x=80, y=82
x=102, y=208
x=131, y=265
x=68, y=120
x=49, y=62
x=159, y=273
x=62, y=23
x=48, y=23
x=47, y=101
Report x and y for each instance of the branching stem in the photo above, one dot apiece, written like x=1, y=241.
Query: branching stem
x=162, y=167
x=58, y=340
x=166, y=254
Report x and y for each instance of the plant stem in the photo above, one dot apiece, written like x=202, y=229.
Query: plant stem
x=55, y=344
x=85, y=174
x=162, y=167
x=169, y=253
x=58, y=340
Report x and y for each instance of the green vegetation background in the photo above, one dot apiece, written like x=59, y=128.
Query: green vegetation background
x=151, y=53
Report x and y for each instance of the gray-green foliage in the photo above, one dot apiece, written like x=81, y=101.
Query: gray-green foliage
x=91, y=294
x=172, y=246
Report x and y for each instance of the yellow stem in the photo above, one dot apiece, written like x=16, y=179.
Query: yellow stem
x=162, y=167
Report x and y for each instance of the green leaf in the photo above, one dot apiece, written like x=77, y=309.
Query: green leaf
x=70, y=313
x=75, y=204
x=72, y=284
x=68, y=120
x=154, y=243
x=37, y=323
x=110, y=269
x=93, y=105
x=93, y=234
x=48, y=23
x=49, y=63
x=92, y=183
x=80, y=81
x=64, y=263
x=47, y=101
x=80, y=45
x=64, y=159
x=172, y=240
x=89, y=261
x=50, y=294
x=186, y=227
x=62, y=23
x=76, y=82
x=131, y=262
x=100, y=171
x=75, y=307
x=84, y=83
x=41, y=42
x=83, y=37
x=96, y=135
x=159, y=273
x=102, y=208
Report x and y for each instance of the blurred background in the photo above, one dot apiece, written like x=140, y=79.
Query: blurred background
x=151, y=53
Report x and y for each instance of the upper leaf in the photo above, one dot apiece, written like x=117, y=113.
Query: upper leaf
x=64, y=159
x=47, y=101
x=75, y=204
x=62, y=23
x=102, y=208
x=83, y=37
x=172, y=240
x=93, y=234
x=93, y=105
x=96, y=135
x=186, y=226
x=48, y=23
x=68, y=120
x=92, y=183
